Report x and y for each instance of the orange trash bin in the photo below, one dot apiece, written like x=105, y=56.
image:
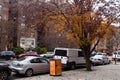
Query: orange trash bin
x=55, y=67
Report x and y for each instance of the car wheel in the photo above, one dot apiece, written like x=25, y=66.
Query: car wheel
x=109, y=62
x=103, y=63
x=44, y=56
x=3, y=75
x=11, y=58
x=93, y=64
x=29, y=73
x=73, y=66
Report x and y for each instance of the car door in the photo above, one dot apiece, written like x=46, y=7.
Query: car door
x=35, y=64
x=106, y=59
x=44, y=65
x=81, y=58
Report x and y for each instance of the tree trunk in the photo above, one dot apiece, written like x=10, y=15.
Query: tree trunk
x=86, y=51
x=88, y=62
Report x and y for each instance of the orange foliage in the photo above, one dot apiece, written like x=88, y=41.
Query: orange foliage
x=58, y=27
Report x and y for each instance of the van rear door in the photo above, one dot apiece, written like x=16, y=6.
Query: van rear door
x=81, y=57
x=61, y=54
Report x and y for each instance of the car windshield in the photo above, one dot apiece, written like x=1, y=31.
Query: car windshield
x=49, y=52
x=30, y=52
x=99, y=53
x=93, y=53
x=61, y=52
x=22, y=58
x=45, y=60
x=109, y=54
x=119, y=53
x=7, y=53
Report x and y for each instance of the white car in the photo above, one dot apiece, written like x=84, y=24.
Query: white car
x=93, y=53
x=116, y=55
x=47, y=55
x=30, y=65
x=100, y=58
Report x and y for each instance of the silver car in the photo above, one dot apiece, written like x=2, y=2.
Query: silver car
x=30, y=65
x=100, y=58
x=47, y=55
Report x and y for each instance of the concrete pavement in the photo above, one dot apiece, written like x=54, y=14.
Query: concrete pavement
x=102, y=72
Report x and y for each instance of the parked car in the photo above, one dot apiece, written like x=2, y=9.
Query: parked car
x=70, y=57
x=29, y=53
x=5, y=71
x=30, y=65
x=47, y=55
x=93, y=53
x=110, y=56
x=100, y=58
x=116, y=55
x=7, y=55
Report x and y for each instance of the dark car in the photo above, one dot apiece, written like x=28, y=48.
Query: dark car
x=7, y=55
x=5, y=71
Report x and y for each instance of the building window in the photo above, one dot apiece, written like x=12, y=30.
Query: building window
x=23, y=41
x=32, y=35
x=23, y=16
x=0, y=7
x=32, y=42
x=23, y=25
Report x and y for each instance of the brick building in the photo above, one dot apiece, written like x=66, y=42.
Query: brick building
x=13, y=10
x=25, y=36
x=4, y=11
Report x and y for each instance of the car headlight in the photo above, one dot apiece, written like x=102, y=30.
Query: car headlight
x=20, y=65
x=91, y=58
x=99, y=59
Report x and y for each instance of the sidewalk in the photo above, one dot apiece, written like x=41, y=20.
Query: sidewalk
x=103, y=72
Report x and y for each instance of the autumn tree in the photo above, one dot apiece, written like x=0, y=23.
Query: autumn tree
x=38, y=17
x=87, y=22
x=116, y=38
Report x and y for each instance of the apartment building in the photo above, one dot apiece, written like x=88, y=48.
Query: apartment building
x=22, y=35
x=4, y=11
x=27, y=37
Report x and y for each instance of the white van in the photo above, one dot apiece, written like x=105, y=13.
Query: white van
x=69, y=57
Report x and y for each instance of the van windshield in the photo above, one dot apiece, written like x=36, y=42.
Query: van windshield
x=61, y=52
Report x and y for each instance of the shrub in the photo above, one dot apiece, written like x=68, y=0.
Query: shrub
x=29, y=49
x=37, y=49
x=18, y=50
x=43, y=50
x=40, y=50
